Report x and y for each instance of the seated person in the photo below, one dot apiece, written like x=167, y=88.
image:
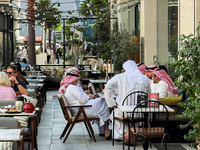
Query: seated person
x=74, y=70
x=24, y=63
x=149, y=70
x=17, y=84
x=6, y=92
x=21, y=74
x=3, y=69
x=76, y=96
x=165, y=86
x=130, y=81
x=142, y=68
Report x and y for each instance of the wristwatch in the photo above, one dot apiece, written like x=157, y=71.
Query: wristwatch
x=17, y=83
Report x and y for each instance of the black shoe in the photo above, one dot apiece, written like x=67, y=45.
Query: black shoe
x=118, y=140
x=110, y=136
x=101, y=134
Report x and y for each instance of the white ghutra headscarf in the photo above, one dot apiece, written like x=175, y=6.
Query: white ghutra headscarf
x=134, y=74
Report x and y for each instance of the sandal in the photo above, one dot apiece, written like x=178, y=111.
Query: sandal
x=131, y=144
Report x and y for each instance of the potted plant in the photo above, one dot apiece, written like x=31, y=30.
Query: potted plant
x=103, y=74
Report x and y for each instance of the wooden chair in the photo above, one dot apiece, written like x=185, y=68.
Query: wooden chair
x=130, y=99
x=72, y=120
x=154, y=123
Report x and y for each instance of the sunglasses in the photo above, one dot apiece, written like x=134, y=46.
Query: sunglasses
x=9, y=73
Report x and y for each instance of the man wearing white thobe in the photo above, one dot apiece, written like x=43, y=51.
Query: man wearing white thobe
x=165, y=85
x=129, y=81
x=149, y=74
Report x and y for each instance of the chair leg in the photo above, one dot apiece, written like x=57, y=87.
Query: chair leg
x=91, y=130
x=165, y=140
x=113, y=124
x=69, y=132
x=150, y=143
x=65, y=130
x=135, y=141
x=123, y=136
x=87, y=129
x=145, y=144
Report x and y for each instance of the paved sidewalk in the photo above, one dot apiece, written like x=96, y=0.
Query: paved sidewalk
x=52, y=124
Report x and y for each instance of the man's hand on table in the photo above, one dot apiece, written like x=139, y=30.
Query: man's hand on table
x=87, y=92
x=91, y=96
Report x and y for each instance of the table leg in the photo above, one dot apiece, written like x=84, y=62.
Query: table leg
x=20, y=143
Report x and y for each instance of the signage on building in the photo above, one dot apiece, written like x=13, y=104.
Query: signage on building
x=37, y=38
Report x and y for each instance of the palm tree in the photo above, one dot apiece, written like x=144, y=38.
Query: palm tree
x=48, y=13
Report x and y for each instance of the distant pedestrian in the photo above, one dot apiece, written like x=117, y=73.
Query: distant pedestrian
x=57, y=52
x=48, y=54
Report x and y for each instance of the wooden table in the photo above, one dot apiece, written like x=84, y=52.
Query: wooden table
x=33, y=125
x=11, y=135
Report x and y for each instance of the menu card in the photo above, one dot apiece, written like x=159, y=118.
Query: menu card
x=153, y=96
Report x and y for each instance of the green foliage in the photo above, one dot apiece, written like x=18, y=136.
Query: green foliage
x=103, y=73
x=95, y=8
x=173, y=47
x=58, y=38
x=69, y=57
x=188, y=70
x=74, y=41
x=85, y=38
x=124, y=46
x=72, y=20
x=81, y=29
x=84, y=52
x=50, y=11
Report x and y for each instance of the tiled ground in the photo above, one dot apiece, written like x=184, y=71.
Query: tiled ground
x=52, y=124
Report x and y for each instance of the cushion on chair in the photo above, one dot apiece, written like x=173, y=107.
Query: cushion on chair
x=157, y=131
x=53, y=72
x=66, y=104
x=32, y=100
x=23, y=120
x=170, y=100
x=6, y=145
x=59, y=72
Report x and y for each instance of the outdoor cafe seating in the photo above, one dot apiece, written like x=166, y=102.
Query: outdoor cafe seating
x=79, y=117
x=130, y=99
x=153, y=125
x=9, y=123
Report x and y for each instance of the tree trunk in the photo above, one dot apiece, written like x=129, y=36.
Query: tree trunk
x=31, y=43
x=50, y=38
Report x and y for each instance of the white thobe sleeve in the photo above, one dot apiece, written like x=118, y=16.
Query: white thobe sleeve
x=111, y=84
x=78, y=95
x=162, y=89
x=148, y=88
